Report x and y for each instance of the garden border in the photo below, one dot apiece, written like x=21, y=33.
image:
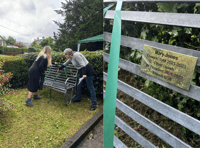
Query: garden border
x=74, y=140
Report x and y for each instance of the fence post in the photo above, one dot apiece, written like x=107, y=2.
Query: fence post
x=111, y=85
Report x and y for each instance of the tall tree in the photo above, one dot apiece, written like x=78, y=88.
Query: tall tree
x=82, y=19
x=10, y=41
x=47, y=41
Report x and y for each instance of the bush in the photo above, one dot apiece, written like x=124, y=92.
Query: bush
x=2, y=48
x=4, y=85
x=31, y=49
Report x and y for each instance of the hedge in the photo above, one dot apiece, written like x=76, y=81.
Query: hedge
x=19, y=66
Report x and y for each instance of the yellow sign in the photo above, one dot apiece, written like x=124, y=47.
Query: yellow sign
x=172, y=67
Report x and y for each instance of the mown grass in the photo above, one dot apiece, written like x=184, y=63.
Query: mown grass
x=44, y=125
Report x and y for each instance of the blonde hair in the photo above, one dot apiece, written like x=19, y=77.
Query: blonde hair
x=46, y=51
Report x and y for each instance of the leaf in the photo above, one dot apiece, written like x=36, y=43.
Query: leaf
x=198, y=113
x=147, y=83
x=194, y=75
x=180, y=106
x=171, y=41
x=167, y=7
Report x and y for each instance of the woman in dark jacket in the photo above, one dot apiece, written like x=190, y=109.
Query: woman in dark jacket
x=85, y=70
x=37, y=72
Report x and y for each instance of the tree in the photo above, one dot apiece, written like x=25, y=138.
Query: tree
x=33, y=44
x=47, y=41
x=37, y=47
x=10, y=41
x=83, y=19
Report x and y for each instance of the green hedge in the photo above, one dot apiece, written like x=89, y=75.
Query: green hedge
x=20, y=64
x=2, y=48
x=32, y=49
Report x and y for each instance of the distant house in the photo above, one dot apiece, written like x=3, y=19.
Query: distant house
x=38, y=41
x=12, y=46
x=18, y=45
x=2, y=42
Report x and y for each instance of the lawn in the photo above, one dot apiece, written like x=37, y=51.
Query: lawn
x=43, y=125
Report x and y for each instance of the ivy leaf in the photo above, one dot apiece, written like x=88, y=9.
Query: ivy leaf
x=194, y=75
x=180, y=106
x=171, y=41
x=147, y=83
x=188, y=30
x=167, y=7
x=198, y=113
x=194, y=83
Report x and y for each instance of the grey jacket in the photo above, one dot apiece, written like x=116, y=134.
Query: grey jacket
x=78, y=60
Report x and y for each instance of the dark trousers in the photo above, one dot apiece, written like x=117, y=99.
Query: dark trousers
x=90, y=86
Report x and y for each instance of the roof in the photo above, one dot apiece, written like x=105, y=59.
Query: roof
x=18, y=45
x=92, y=39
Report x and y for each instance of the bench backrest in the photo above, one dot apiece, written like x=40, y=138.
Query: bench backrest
x=69, y=72
x=173, y=19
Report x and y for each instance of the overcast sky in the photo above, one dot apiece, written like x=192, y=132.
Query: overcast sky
x=34, y=16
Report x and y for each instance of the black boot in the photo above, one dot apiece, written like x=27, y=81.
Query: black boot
x=76, y=100
x=93, y=107
x=36, y=97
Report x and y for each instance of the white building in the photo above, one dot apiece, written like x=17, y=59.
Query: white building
x=2, y=42
x=38, y=41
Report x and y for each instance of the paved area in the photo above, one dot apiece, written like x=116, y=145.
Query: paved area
x=94, y=139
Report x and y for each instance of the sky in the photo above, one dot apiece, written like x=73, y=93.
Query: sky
x=25, y=20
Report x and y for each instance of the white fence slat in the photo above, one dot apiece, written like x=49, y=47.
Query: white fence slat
x=175, y=19
x=118, y=143
x=133, y=134
x=194, y=91
x=136, y=43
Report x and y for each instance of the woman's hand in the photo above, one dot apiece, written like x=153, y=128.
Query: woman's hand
x=56, y=63
x=58, y=70
x=84, y=76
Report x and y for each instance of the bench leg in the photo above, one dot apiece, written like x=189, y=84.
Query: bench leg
x=64, y=98
x=50, y=97
x=71, y=95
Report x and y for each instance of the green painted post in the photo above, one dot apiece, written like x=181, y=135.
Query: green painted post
x=105, y=9
x=111, y=85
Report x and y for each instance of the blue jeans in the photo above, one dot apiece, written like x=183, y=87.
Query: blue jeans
x=90, y=86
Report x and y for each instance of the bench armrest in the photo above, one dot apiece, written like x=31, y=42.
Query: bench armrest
x=66, y=81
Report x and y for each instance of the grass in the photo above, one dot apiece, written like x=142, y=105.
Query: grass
x=44, y=125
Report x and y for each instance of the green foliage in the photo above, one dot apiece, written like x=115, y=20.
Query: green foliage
x=167, y=7
x=2, y=49
x=31, y=49
x=47, y=41
x=83, y=19
x=36, y=47
x=10, y=41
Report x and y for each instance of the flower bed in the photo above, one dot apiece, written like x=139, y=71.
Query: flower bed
x=4, y=85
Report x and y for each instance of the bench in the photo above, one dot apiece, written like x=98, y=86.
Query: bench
x=63, y=81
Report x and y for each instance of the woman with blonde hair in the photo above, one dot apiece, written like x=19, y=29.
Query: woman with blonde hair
x=36, y=72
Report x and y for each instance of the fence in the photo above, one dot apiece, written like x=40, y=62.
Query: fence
x=174, y=19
